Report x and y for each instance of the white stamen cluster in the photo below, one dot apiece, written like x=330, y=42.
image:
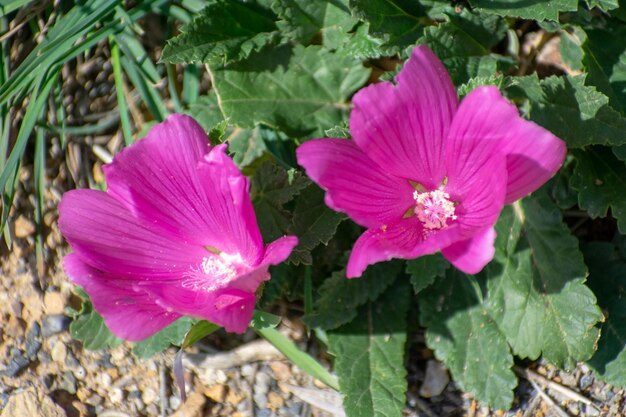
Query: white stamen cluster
x=214, y=272
x=434, y=208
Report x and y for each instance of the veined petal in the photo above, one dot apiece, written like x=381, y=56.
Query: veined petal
x=354, y=183
x=471, y=255
x=406, y=239
x=403, y=127
x=173, y=180
x=533, y=154
x=228, y=307
x=129, y=314
x=108, y=237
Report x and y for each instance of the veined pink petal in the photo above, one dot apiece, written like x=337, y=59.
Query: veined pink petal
x=165, y=179
x=471, y=255
x=354, y=183
x=533, y=154
x=230, y=215
x=228, y=307
x=406, y=239
x=403, y=127
x=129, y=314
x=107, y=236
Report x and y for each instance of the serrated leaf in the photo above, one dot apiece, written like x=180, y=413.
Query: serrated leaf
x=174, y=334
x=370, y=356
x=206, y=111
x=88, y=327
x=397, y=23
x=298, y=90
x=607, y=277
x=467, y=340
x=605, y=5
x=273, y=187
x=223, y=32
x=341, y=132
x=534, y=10
x=246, y=145
x=362, y=45
x=599, y=179
x=314, y=224
x=424, y=270
x=302, y=19
x=340, y=297
x=536, y=285
x=577, y=113
x=464, y=43
x=605, y=61
x=571, y=47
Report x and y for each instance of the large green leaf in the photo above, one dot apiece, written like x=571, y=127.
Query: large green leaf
x=603, y=4
x=313, y=222
x=398, y=23
x=370, y=356
x=605, y=61
x=536, y=285
x=302, y=19
x=88, y=326
x=577, y=113
x=466, y=338
x=463, y=44
x=158, y=342
x=225, y=31
x=527, y=9
x=301, y=91
x=599, y=179
x=340, y=297
x=607, y=277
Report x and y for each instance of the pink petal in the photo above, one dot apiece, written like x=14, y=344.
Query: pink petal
x=533, y=153
x=107, y=236
x=229, y=308
x=471, y=255
x=355, y=184
x=129, y=314
x=403, y=127
x=405, y=239
x=165, y=180
x=231, y=222
x=275, y=253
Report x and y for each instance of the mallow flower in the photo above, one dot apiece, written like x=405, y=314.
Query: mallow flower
x=174, y=234
x=424, y=173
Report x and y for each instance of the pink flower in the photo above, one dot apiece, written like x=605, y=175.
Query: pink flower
x=175, y=234
x=424, y=173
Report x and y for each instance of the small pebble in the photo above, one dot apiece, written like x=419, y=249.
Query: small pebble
x=33, y=344
x=247, y=371
x=174, y=402
x=44, y=357
x=17, y=364
x=263, y=412
x=149, y=396
x=53, y=324
x=80, y=373
x=116, y=395
x=47, y=381
x=68, y=382
x=71, y=360
x=105, y=379
x=59, y=352
x=94, y=400
x=585, y=381
x=134, y=395
x=152, y=410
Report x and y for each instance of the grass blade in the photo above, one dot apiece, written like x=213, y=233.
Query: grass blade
x=119, y=90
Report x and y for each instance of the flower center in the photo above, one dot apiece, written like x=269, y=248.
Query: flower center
x=434, y=208
x=214, y=272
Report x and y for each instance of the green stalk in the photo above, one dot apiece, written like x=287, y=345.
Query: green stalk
x=119, y=90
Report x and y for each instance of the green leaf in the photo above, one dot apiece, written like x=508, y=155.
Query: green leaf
x=605, y=61
x=89, y=328
x=464, y=336
x=533, y=10
x=313, y=222
x=398, y=23
x=174, y=334
x=464, y=43
x=425, y=269
x=225, y=31
x=341, y=131
x=246, y=145
x=302, y=19
x=206, y=111
x=536, y=285
x=605, y=5
x=340, y=297
x=571, y=48
x=577, y=113
x=369, y=356
x=197, y=332
x=607, y=277
x=273, y=187
x=301, y=91
x=599, y=179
